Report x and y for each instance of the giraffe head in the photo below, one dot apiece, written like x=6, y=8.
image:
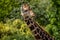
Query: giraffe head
x=26, y=11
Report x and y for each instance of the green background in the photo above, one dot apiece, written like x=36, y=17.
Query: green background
x=13, y=27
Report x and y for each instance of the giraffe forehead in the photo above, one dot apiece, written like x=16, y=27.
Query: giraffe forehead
x=25, y=6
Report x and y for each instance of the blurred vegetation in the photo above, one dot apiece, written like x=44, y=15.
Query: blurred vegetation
x=12, y=27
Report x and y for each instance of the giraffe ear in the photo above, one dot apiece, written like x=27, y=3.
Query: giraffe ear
x=32, y=13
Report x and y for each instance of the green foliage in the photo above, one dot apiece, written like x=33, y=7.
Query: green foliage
x=53, y=30
x=15, y=30
x=6, y=6
x=12, y=28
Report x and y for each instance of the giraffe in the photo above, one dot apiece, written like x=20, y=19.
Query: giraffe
x=36, y=29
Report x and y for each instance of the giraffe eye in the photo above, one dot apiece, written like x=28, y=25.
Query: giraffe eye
x=25, y=10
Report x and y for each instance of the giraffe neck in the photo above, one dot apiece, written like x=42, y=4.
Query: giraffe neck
x=38, y=32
